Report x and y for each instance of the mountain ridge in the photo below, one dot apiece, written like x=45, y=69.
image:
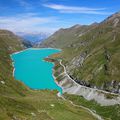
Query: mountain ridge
x=72, y=32
x=90, y=53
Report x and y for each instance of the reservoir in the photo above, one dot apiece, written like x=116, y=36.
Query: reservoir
x=33, y=71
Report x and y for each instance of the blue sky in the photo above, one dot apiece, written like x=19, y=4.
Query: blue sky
x=32, y=16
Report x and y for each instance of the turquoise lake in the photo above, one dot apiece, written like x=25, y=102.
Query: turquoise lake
x=33, y=71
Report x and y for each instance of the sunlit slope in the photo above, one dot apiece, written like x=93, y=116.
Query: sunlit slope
x=64, y=37
x=91, y=53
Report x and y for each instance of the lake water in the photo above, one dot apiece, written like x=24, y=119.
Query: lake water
x=31, y=69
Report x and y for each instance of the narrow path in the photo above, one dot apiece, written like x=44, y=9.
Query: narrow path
x=93, y=113
x=61, y=96
x=65, y=72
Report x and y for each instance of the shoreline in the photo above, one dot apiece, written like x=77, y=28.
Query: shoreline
x=86, y=86
x=13, y=73
x=48, y=60
x=33, y=49
x=69, y=86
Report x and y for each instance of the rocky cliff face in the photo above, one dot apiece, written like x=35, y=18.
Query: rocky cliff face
x=71, y=86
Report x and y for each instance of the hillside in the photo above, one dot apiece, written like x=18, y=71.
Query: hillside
x=65, y=37
x=90, y=53
x=9, y=43
x=17, y=102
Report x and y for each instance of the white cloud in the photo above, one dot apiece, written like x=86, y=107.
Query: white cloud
x=25, y=4
x=27, y=23
x=74, y=9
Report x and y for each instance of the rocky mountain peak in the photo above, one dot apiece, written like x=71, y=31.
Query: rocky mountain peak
x=113, y=17
x=76, y=26
x=94, y=24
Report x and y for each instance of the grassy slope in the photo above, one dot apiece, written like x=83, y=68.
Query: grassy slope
x=104, y=38
x=107, y=112
x=98, y=41
x=19, y=102
x=65, y=37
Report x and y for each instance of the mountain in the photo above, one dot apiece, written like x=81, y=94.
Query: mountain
x=18, y=102
x=10, y=41
x=65, y=37
x=91, y=53
x=34, y=38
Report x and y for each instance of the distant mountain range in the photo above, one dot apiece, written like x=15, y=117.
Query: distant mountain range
x=33, y=37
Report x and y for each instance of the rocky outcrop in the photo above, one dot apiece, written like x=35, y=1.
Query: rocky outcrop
x=78, y=62
x=80, y=59
x=71, y=87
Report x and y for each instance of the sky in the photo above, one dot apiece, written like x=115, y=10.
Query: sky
x=47, y=16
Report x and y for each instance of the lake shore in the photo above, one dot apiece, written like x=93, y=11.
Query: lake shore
x=39, y=64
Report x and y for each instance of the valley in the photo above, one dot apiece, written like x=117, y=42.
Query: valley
x=18, y=102
x=87, y=69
